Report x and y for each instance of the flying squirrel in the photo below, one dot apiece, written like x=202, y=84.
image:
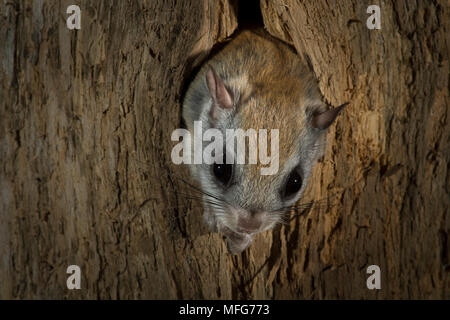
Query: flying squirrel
x=256, y=82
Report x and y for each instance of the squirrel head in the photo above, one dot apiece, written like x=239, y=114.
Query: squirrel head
x=253, y=202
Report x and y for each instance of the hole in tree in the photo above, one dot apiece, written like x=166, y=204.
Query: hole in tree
x=249, y=15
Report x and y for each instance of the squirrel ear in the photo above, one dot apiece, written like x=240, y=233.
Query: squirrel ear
x=325, y=119
x=219, y=93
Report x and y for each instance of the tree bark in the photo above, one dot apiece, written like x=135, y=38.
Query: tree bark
x=86, y=176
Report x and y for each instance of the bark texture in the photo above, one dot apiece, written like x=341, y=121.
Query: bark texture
x=86, y=176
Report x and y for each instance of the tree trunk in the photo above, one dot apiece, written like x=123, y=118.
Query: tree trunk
x=86, y=176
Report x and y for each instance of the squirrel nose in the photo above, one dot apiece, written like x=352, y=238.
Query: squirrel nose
x=254, y=212
x=250, y=224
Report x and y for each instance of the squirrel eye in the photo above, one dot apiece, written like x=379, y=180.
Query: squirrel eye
x=223, y=171
x=293, y=184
